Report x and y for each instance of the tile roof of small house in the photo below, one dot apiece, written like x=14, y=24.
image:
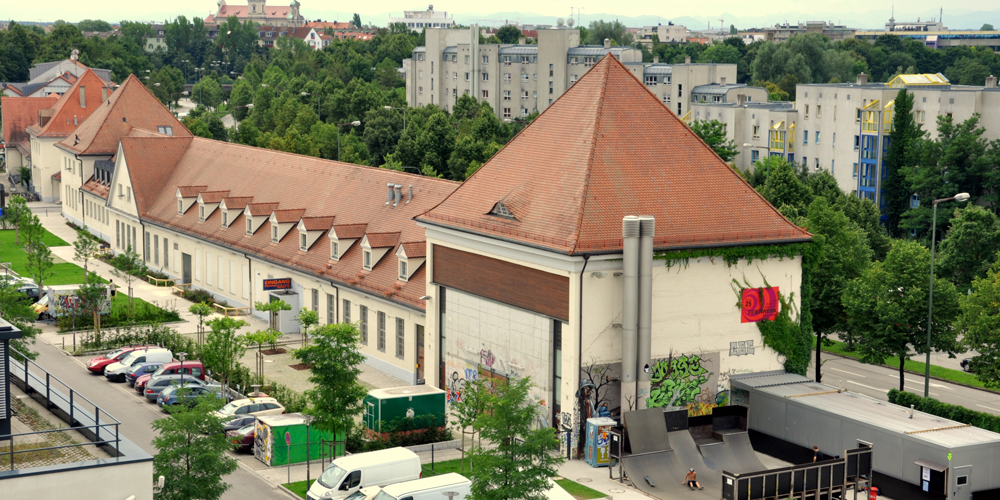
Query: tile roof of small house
x=382, y=240
x=19, y=113
x=289, y=215
x=97, y=188
x=237, y=202
x=317, y=223
x=349, y=231
x=415, y=249
x=212, y=196
x=191, y=191
x=132, y=105
x=565, y=182
x=305, y=183
x=67, y=114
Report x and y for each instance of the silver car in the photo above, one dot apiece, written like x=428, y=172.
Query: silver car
x=155, y=385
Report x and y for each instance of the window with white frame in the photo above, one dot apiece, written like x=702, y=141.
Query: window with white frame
x=201, y=213
x=180, y=206
x=400, y=338
x=303, y=241
x=368, y=260
x=506, y=77
x=486, y=76
x=363, y=323
x=524, y=112
x=524, y=95
x=249, y=226
x=274, y=234
x=403, y=276
x=506, y=112
x=380, y=325
x=334, y=250
x=225, y=219
x=506, y=95
x=486, y=94
x=486, y=59
x=650, y=80
x=524, y=77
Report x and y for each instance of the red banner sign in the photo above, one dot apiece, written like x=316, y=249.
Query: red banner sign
x=278, y=284
x=759, y=304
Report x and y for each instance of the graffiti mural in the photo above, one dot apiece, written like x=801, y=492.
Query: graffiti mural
x=686, y=380
x=741, y=348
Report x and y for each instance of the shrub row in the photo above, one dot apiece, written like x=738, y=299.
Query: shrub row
x=953, y=412
x=401, y=432
x=143, y=313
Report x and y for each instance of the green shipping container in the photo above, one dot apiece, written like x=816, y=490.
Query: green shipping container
x=273, y=433
x=383, y=406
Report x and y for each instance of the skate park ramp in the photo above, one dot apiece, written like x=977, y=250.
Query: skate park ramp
x=647, y=430
x=654, y=474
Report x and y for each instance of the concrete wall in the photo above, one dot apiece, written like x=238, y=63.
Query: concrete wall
x=92, y=483
x=45, y=161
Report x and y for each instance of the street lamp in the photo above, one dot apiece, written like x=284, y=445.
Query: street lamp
x=248, y=106
x=404, y=115
x=355, y=123
x=930, y=301
x=318, y=97
x=181, y=356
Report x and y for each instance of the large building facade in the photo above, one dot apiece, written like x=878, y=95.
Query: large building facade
x=417, y=20
x=259, y=12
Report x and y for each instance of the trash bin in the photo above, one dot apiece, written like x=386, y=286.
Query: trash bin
x=873, y=493
x=598, y=441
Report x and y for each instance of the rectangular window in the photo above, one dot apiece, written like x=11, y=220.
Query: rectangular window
x=506, y=77
x=486, y=59
x=833, y=141
x=330, y=312
x=302, y=241
x=756, y=129
x=524, y=95
x=180, y=206
x=400, y=338
x=754, y=155
x=166, y=253
x=486, y=94
x=486, y=77
x=315, y=301
x=381, y=331
x=118, y=239
x=556, y=363
x=524, y=77
x=219, y=270
x=805, y=137
x=146, y=246
x=225, y=218
x=208, y=268
x=156, y=249
x=506, y=95
x=466, y=76
x=83, y=97
x=506, y=112
x=807, y=111
x=819, y=111
x=402, y=270
x=368, y=260
x=347, y=311
x=363, y=323
x=249, y=226
x=855, y=174
x=817, y=137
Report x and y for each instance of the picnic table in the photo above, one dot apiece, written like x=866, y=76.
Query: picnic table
x=153, y=280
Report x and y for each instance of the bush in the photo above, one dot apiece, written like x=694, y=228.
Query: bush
x=143, y=313
x=961, y=414
x=402, y=432
x=198, y=296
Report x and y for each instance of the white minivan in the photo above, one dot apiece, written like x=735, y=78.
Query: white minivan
x=376, y=468
x=117, y=371
x=428, y=488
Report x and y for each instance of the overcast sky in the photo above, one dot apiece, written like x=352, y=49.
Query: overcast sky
x=873, y=12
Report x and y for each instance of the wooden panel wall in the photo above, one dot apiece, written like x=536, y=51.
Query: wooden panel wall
x=505, y=282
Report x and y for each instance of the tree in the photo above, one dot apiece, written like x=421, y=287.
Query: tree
x=720, y=53
x=467, y=409
x=17, y=212
x=521, y=464
x=986, y=27
x=886, y=308
x=784, y=189
x=15, y=307
x=216, y=128
x=334, y=362
x=902, y=143
x=207, y=92
x=614, y=31
x=201, y=310
x=969, y=248
x=841, y=254
x=980, y=326
x=713, y=132
x=307, y=319
x=383, y=127
x=191, y=453
x=40, y=260
x=125, y=267
x=84, y=249
x=94, y=299
x=509, y=34
x=93, y=25
x=356, y=21
x=241, y=95
x=436, y=142
x=199, y=128
x=732, y=30
x=273, y=307
x=353, y=150
x=224, y=347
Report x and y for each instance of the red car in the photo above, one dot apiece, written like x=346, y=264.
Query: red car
x=242, y=438
x=97, y=365
x=192, y=368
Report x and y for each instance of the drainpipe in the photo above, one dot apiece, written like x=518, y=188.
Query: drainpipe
x=630, y=254
x=645, y=308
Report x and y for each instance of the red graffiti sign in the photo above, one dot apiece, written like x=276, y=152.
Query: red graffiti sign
x=758, y=304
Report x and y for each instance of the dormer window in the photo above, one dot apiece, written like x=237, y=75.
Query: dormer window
x=368, y=260
x=180, y=207
x=302, y=242
x=249, y=226
x=501, y=210
x=274, y=234
x=403, y=276
x=201, y=213
x=334, y=250
x=410, y=256
x=375, y=246
x=225, y=219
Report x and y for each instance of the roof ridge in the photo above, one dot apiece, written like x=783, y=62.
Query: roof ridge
x=593, y=146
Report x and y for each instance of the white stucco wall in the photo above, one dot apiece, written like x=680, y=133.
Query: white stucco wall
x=95, y=483
x=45, y=161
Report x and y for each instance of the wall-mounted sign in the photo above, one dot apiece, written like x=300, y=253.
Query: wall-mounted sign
x=278, y=284
x=758, y=304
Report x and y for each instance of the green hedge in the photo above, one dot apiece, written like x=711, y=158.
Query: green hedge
x=957, y=413
x=401, y=432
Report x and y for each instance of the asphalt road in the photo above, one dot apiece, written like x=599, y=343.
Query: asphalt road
x=137, y=415
x=875, y=381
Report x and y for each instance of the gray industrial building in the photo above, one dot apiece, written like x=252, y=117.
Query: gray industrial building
x=944, y=458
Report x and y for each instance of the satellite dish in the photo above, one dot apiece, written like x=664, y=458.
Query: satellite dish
x=570, y=22
x=560, y=22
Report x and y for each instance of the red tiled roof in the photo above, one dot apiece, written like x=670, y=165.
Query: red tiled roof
x=349, y=231
x=57, y=176
x=382, y=240
x=67, y=114
x=415, y=249
x=237, y=202
x=321, y=25
x=243, y=11
x=191, y=191
x=97, y=188
x=317, y=223
x=19, y=113
x=212, y=196
x=258, y=209
x=289, y=215
x=132, y=105
x=305, y=183
x=592, y=158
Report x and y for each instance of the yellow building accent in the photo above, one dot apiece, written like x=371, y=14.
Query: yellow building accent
x=887, y=113
x=919, y=79
x=778, y=137
x=687, y=118
x=868, y=118
x=791, y=138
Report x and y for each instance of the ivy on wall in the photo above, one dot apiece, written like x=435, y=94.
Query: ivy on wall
x=791, y=333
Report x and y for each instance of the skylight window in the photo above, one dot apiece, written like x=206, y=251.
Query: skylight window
x=165, y=129
x=501, y=210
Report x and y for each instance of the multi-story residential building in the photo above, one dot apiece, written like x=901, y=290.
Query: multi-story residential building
x=665, y=33
x=517, y=80
x=51, y=78
x=782, y=32
x=18, y=114
x=417, y=20
x=259, y=12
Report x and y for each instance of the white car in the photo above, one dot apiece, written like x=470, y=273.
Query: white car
x=251, y=406
x=365, y=493
x=117, y=371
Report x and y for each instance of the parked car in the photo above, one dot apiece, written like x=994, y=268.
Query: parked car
x=139, y=369
x=156, y=384
x=27, y=286
x=428, y=488
x=116, y=371
x=238, y=423
x=96, y=365
x=242, y=438
x=172, y=394
x=190, y=369
x=252, y=406
x=347, y=475
x=368, y=493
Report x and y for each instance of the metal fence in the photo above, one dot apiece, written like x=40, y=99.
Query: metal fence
x=80, y=413
x=834, y=478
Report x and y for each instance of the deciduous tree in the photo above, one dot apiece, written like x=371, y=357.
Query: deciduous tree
x=713, y=132
x=969, y=247
x=191, y=453
x=980, y=326
x=335, y=361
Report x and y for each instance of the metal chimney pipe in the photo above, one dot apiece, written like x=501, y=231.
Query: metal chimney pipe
x=388, y=201
x=645, y=309
x=630, y=254
x=399, y=193
x=411, y=194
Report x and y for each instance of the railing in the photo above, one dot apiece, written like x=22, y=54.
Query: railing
x=58, y=397
x=825, y=479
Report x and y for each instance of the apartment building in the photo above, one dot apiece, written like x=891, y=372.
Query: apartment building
x=417, y=20
x=783, y=31
x=517, y=80
x=665, y=33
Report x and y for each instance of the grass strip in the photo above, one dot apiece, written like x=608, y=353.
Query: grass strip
x=578, y=490
x=299, y=487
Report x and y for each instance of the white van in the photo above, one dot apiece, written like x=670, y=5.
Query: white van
x=429, y=488
x=117, y=371
x=376, y=468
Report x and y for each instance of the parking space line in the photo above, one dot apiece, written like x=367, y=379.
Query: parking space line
x=863, y=385
x=847, y=372
x=987, y=407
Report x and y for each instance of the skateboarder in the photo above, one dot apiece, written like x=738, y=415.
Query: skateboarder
x=816, y=453
x=691, y=478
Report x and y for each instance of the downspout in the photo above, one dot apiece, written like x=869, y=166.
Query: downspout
x=249, y=278
x=579, y=360
x=630, y=257
x=645, y=309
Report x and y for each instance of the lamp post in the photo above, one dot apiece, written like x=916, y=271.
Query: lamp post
x=318, y=97
x=930, y=301
x=248, y=106
x=355, y=123
x=404, y=115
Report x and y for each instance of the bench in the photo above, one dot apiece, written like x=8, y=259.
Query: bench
x=181, y=288
x=235, y=311
x=160, y=281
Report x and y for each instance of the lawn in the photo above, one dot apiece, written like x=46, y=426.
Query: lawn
x=578, y=490
x=912, y=366
x=446, y=467
x=299, y=487
x=63, y=273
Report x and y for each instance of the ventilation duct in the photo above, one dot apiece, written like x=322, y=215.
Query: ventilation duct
x=399, y=194
x=630, y=254
x=389, y=200
x=411, y=194
x=645, y=308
